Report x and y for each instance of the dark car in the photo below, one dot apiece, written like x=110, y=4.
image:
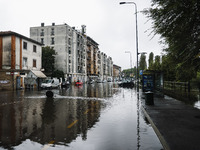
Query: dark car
x=65, y=84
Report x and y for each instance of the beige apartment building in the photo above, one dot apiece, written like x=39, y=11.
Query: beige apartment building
x=19, y=55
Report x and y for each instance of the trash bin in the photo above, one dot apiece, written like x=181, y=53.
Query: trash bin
x=149, y=100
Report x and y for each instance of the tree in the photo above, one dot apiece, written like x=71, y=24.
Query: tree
x=168, y=68
x=129, y=72
x=142, y=62
x=58, y=74
x=157, y=64
x=151, y=56
x=178, y=24
x=48, y=59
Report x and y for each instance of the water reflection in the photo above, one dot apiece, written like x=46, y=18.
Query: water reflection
x=30, y=117
x=100, y=90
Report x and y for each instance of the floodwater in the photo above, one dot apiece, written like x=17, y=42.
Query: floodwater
x=90, y=117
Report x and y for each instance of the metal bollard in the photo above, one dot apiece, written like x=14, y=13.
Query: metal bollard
x=149, y=99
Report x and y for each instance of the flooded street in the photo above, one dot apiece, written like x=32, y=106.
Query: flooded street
x=90, y=117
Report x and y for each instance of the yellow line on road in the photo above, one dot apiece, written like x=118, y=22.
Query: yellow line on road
x=86, y=111
x=48, y=145
x=73, y=123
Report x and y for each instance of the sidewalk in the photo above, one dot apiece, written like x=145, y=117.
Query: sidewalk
x=176, y=124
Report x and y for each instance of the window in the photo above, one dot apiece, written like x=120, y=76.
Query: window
x=42, y=32
x=24, y=63
x=25, y=45
x=34, y=48
x=52, y=41
x=42, y=40
x=34, y=63
x=69, y=41
x=52, y=31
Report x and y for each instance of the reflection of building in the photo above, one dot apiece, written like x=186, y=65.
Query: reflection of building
x=116, y=72
x=18, y=55
x=44, y=121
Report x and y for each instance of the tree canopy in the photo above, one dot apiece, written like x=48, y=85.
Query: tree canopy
x=151, y=55
x=178, y=23
x=142, y=62
x=48, y=59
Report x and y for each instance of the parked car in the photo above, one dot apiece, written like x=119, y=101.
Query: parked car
x=109, y=80
x=91, y=81
x=50, y=83
x=79, y=83
x=65, y=84
x=99, y=80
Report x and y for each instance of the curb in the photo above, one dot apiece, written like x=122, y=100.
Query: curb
x=160, y=137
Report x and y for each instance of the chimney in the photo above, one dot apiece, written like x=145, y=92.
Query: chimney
x=53, y=24
x=42, y=24
x=83, y=29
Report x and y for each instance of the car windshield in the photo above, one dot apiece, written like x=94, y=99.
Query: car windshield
x=47, y=81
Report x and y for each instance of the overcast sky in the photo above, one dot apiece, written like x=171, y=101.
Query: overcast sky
x=111, y=25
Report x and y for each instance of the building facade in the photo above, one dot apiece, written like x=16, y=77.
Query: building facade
x=70, y=46
x=116, y=72
x=78, y=55
x=92, y=58
x=18, y=55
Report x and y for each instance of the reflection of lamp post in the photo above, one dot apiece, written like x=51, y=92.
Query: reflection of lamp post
x=130, y=58
x=138, y=103
x=121, y=3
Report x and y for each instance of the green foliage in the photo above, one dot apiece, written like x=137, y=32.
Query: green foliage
x=178, y=24
x=151, y=56
x=168, y=68
x=58, y=74
x=157, y=63
x=142, y=62
x=48, y=59
x=128, y=72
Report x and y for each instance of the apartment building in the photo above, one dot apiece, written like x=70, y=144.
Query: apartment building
x=79, y=57
x=18, y=56
x=92, y=50
x=70, y=46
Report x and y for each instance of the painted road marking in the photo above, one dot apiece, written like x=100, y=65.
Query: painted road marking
x=48, y=145
x=73, y=123
x=86, y=111
x=69, y=126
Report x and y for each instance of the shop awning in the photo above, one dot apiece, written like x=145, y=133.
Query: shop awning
x=39, y=74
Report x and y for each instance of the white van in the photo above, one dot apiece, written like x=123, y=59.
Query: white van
x=50, y=83
x=109, y=79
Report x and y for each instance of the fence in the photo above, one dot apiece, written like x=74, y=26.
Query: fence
x=174, y=86
x=182, y=90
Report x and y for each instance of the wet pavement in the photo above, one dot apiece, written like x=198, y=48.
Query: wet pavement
x=95, y=117
x=176, y=123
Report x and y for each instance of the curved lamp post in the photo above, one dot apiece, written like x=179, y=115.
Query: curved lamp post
x=121, y=3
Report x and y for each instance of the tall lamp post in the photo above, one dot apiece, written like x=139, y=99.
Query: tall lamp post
x=121, y=3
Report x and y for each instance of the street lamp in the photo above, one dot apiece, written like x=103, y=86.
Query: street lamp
x=121, y=3
x=130, y=57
